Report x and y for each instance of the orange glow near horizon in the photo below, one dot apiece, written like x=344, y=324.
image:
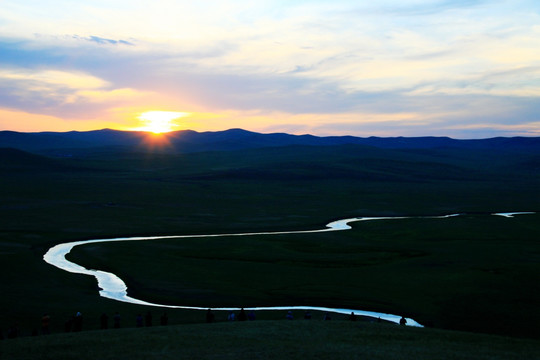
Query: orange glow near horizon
x=160, y=122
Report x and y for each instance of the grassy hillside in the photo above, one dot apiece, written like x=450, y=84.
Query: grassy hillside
x=298, y=339
x=106, y=194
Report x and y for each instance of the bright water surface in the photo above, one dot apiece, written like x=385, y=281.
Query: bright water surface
x=112, y=287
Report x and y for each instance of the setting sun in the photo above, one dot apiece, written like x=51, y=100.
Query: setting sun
x=160, y=121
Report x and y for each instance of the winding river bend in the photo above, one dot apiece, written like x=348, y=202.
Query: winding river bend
x=112, y=287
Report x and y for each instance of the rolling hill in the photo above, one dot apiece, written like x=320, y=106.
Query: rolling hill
x=188, y=141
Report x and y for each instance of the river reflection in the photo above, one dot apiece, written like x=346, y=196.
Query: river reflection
x=112, y=287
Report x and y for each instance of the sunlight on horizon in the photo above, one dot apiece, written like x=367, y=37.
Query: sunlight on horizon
x=160, y=121
x=463, y=69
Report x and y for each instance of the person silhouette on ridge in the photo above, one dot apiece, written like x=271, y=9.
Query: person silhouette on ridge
x=242, y=316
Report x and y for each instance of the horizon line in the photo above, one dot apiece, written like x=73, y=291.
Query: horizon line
x=265, y=133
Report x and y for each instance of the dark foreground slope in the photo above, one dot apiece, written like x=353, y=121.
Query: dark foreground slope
x=297, y=339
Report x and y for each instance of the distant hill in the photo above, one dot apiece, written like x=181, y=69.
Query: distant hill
x=188, y=141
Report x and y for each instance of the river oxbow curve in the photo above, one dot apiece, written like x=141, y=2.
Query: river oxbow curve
x=112, y=287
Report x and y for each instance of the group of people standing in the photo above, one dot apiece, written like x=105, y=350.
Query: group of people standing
x=231, y=316
x=242, y=315
x=140, y=321
x=75, y=323
x=147, y=320
x=104, y=321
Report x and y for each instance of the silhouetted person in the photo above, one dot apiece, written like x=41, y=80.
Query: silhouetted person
x=13, y=332
x=402, y=321
x=352, y=317
x=77, y=322
x=231, y=316
x=210, y=316
x=45, y=321
x=307, y=315
x=116, y=320
x=148, y=319
x=164, y=320
x=68, y=325
x=139, y=320
x=104, y=321
x=242, y=316
x=289, y=316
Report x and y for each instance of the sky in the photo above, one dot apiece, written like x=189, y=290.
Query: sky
x=464, y=68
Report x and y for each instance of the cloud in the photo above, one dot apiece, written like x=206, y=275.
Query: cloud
x=104, y=41
x=55, y=78
x=62, y=93
x=429, y=8
x=517, y=82
x=428, y=65
x=24, y=53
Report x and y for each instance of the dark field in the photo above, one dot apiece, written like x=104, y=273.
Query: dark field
x=476, y=272
x=296, y=339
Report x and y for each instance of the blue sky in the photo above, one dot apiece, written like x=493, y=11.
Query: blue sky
x=465, y=69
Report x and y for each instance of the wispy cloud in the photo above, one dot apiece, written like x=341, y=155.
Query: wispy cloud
x=428, y=8
x=104, y=41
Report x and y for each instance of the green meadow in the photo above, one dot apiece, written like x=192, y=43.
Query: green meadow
x=475, y=273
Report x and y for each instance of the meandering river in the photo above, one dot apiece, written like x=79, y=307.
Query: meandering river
x=112, y=287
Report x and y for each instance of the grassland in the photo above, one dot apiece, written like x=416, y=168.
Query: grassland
x=454, y=274
x=463, y=273
x=283, y=339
